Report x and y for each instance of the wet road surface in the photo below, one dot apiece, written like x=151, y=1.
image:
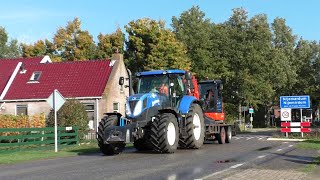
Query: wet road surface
x=212, y=161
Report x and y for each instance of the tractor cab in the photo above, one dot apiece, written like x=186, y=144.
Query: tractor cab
x=155, y=90
x=167, y=84
x=211, y=99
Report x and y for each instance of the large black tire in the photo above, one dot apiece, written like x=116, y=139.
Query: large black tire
x=108, y=149
x=221, y=137
x=229, y=134
x=195, y=128
x=164, y=135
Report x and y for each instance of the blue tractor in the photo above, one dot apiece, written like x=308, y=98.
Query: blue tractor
x=161, y=116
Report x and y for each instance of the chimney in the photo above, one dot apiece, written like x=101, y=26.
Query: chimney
x=117, y=56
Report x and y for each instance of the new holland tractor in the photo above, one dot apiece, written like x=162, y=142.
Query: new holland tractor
x=167, y=111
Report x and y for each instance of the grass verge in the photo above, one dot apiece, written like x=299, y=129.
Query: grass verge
x=24, y=155
x=9, y=157
x=311, y=144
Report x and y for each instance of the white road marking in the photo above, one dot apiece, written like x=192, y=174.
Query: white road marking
x=249, y=138
x=279, y=149
x=290, y=145
x=260, y=138
x=172, y=177
x=235, y=166
x=261, y=156
x=219, y=172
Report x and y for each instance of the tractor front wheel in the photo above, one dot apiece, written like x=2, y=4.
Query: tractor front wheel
x=164, y=133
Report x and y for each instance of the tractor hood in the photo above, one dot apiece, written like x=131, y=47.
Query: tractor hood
x=138, y=103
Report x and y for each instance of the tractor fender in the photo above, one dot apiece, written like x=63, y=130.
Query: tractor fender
x=186, y=102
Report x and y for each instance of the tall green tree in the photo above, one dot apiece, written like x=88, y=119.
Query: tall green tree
x=73, y=43
x=306, y=55
x=283, y=53
x=196, y=33
x=151, y=46
x=8, y=49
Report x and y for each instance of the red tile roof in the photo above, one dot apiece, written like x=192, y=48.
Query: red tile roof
x=7, y=67
x=71, y=79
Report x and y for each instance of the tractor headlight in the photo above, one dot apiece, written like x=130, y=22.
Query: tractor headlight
x=138, y=108
x=128, y=110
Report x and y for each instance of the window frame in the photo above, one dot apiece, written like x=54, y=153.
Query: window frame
x=35, y=76
x=21, y=106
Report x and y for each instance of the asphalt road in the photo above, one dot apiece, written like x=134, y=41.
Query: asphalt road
x=212, y=161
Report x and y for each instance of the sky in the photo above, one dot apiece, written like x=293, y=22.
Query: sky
x=32, y=20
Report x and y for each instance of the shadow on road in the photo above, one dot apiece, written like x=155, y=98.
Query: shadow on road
x=298, y=159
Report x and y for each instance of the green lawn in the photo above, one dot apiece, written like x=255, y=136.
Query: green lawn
x=9, y=157
x=311, y=144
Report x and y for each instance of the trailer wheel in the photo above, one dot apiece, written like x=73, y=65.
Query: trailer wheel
x=164, y=133
x=229, y=134
x=194, y=128
x=108, y=149
x=221, y=137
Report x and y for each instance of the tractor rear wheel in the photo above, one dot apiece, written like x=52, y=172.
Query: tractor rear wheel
x=110, y=148
x=194, y=127
x=164, y=134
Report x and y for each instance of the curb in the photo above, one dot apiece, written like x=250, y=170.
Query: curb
x=284, y=139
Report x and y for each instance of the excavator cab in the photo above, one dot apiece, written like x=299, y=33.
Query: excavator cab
x=211, y=99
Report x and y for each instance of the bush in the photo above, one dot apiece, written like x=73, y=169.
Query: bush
x=12, y=121
x=72, y=113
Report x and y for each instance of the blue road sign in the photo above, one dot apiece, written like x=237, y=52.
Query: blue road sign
x=295, y=102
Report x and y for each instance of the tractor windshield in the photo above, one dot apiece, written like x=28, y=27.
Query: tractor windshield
x=153, y=83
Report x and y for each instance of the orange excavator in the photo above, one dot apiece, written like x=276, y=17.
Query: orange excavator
x=209, y=93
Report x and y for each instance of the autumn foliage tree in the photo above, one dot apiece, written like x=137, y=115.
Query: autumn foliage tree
x=110, y=43
x=72, y=43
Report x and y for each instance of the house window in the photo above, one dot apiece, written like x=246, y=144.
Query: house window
x=35, y=76
x=115, y=107
x=22, y=110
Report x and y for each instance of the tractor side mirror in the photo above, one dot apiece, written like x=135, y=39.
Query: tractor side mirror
x=121, y=81
x=221, y=87
x=188, y=75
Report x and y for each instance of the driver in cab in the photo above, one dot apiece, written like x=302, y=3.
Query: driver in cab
x=163, y=89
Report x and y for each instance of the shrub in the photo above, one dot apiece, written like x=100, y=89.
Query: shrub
x=12, y=121
x=72, y=113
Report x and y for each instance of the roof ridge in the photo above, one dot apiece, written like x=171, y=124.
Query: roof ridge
x=20, y=58
x=68, y=62
x=82, y=61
